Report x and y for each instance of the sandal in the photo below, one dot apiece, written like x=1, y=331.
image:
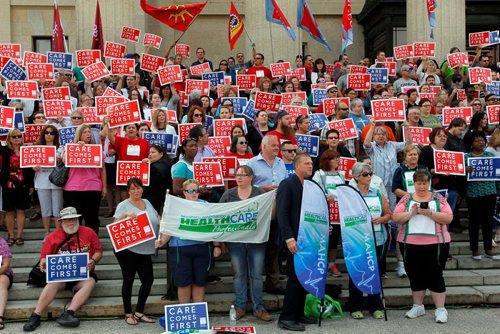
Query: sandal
x=357, y=315
x=19, y=241
x=143, y=318
x=130, y=319
x=378, y=314
x=2, y=324
x=11, y=242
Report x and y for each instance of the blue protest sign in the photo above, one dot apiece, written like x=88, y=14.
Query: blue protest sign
x=12, y=71
x=67, y=267
x=239, y=104
x=60, y=60
x=317, y=121
x=308, y=144
x=318, y=96
x=484, y=169
x=494, y=88
x=494, y=37
x=185, y=317
x=249, y=111
x=67, y=135
x=18, y=124
x=209, y=120
x=165, y=140
x=215, y=78
x=379, y=75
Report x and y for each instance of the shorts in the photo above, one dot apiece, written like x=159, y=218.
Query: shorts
x=333, y=239
x=110, y=173
x=71, y=285
x=16, y=199
x=190, y=264
x=11, y=279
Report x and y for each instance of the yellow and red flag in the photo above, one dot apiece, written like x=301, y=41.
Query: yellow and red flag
x=178, y=17
x=235, y=26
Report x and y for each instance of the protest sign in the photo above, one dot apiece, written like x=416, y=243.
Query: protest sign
x=249, y=110
x=183, y=49
x=479, y=38
x=299, y=73
x=57, y=108
x=457, y=59
x=22, y=90
x=484, y=169
x=168, y=141
x=7, y=117
x=429, y=96
x=280, y=69
x=11, y=50
x=308, y=144
x=38, y=156
x=215, y=78
x=295, y=111
x=403, y=51
x=235, y=329
x=345, y=127
x=220, y=145
x=419, y=135
x=209, y=174
x=122, y=66
x=319, y=95
x=183, y=130
x=317, y=121
x=359, y=81
x=330, y=68
x=461, y=96
x=424, y=49
x=494, y=37
x=222, y=127
x=151, y=63
x=152, y=40
x=228, y=165
x=126, y=170
x=18, y=124
x=95, y=71
x=267, y=101
x=186, y=317
x=479, y=75
x=171, y=116
x=40, y=71
x=60, y=60
x=83, y=156
x=124, y=113
x=67, y=267
x=12, y=71
x=379, y=75
x=87, y=57
x=3, y=61
x=200, y=69
x=114, y=50
x=448, y=162
x=202, y=85
x=346, y=165
x=388, y=109
x=286, y=98
x=391, y=66
x=494, y=88
x=239, y=104
x=353, y=69
x=169, y=74
x=67, y=135
x=130, y=34
x=246, y=81
x=330, y=103
x=130, y=232
x=493, y=112
x=56, y=93
x=103, y=102
x=90, y=115
x=449, y=114
x=33, y=57
x=111, y=92
x=221, y=88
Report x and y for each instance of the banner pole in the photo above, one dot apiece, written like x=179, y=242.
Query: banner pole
x=378, y=265
x=321, y=307
x=272, y=44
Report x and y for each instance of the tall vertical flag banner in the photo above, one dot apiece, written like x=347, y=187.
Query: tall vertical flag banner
x=58, y=42
x=307, y=22
x=97, y=33
x=178, y=17
x=311, y=261
x=358, y=240
x=431, y=12
x=347, y=37
x=235, y=26
x=275, y=15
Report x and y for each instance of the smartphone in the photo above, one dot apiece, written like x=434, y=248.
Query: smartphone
x=424, y=205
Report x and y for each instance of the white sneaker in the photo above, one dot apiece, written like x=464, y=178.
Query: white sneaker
x=416, y=311
x=401, y=271
x=441, y=315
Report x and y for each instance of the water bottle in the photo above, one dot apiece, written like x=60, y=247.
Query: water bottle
x=232, y=316
x=274, y=180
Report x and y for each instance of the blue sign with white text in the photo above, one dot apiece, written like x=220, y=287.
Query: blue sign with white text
x=60, y=60
x=239, y=104
x=12, y=71
x=484, y=169
x=215, y=78
x=318, y=96
x=317, y=121
x=18, y=124
x=308, y=144
x=494, y=88
x=185, y=317
x=249, y=111
x=379, y=75
x=67, y=267
x=494, y=37
x=165, y=140
x=67, y=135
x=209, y=120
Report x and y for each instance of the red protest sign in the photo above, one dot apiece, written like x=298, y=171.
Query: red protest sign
x=299, y=73
x=202, y=85
x=479, y=38
x=111, y=92
x=391, y=66
x=10, y=50
x=246, y=81
x=329, y=104
x=353, y=69
x=424, y=49
x=228, y=165
x=40, y=71
x=57, y=108
x=182, y=49
x=449, y=114
x=90, y=115
x=403, y=51
x=184, y=98
x=32, y=132
x=333, y=207
x=457, y=59
x=208, y=174
x=220, y=90
x=170, y=74
x=345, y=127
x=95, y=71
x=479, y=75
x=56, y=93
x=130, y=232
x=388, y=109
x=448, y=162
x=152, y=40
x=103, y=102
x=220, y=145
x=114, y=50
x=7, y=117
x=461, y=96
x=130, y=34
x=222, y=127
x=267, y=101
x=280, y=69
x=200, y=69
x=171, y=116
x=3, y=61
x=87, y=57
x=419, y=135
x=125, y=170
x=359, y=81
x=345, y=165
x=184, y=130
x=330, y=68
x=33, y=57
x=151, y=63
x=295, y=111
x=124, y=113
x=22, y=90
x=286, y=98
x=83, y=156
x=38, y=155
x=493, y=114
x=122, y=66
x=429, y=96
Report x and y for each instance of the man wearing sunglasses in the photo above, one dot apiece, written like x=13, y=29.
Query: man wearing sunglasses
x=288, y=153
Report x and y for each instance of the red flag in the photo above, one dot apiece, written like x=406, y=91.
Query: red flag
x=176, y=17
x=97, y=36
x=57, y=31
x=235, y=26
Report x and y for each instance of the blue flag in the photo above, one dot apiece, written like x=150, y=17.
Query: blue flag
x=307, y=22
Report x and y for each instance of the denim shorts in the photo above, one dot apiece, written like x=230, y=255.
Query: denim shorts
x=190, y=264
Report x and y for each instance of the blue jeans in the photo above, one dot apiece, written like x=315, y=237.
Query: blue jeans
x=248, y=264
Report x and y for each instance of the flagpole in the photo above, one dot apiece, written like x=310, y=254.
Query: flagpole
x=321, y=308
x=272, y=44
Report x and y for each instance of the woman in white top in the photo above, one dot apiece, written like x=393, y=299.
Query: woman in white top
x=428, y=68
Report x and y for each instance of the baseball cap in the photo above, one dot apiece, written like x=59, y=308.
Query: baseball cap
x=280, y=114
x=405, y=68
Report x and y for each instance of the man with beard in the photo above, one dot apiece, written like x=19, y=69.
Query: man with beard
x=284, y=131
x=71, y=238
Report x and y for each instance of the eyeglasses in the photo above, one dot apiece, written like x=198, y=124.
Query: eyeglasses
x=68, y=75
x=240, y=175
x=40, y=117
x=426, y=105
x=258, y=58
x=223, y=64
x=492, y=99
x=321, y=80
x=76, y=117
x=290, y=151
x=243, y=142
x=333, y=91
x=50, y=133
x=333, y=137
x=191, y=191
x=16, y=137
x=197, y=115
x=477, y=104
x=366, y=174
x=19, y=109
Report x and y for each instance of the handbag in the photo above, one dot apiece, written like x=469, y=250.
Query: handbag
x=59, y=175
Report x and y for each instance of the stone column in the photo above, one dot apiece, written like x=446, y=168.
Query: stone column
x=5, y=33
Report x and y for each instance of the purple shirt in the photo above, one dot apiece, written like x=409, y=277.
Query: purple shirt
x=5, y=252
